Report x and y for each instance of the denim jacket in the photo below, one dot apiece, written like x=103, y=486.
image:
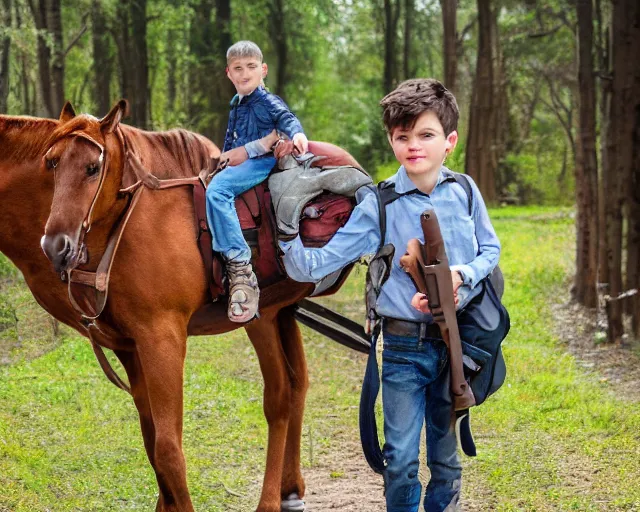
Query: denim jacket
x=255, y=116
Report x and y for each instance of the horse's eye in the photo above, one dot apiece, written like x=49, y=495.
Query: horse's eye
x=52, y=163
x=92, y=169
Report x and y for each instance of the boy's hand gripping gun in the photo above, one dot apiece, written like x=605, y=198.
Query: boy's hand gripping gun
x=429, y=269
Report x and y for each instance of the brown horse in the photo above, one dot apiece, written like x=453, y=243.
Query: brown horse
x=25, y=199
x=157, y=285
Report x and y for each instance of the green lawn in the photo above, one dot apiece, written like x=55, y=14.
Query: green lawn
x=553, y=438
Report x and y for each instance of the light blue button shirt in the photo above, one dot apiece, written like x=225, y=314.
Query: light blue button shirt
x=470, y=241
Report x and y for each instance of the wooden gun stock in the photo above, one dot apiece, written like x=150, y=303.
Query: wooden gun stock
x=428, y=267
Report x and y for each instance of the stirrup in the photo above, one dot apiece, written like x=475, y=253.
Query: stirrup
x=244, y=293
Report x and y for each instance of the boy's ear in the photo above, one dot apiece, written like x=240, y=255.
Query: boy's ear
x=452, y=140
x=265, y=70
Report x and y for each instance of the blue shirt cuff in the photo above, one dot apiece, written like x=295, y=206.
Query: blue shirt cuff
x=255, y=149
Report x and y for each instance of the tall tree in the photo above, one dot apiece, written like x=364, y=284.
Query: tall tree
x=54, y=25
x=450, y=53
x=409, y=13
x=209, y=39
x=391, y=18
x=278, y=33
x=603, y=53
x=140, y=65
x=5, y=47
x=620, y=151
x=587, y=167
x=121, y=36
x=47, y=17
x=101, y=59
x=479, y=162
x=633, y=218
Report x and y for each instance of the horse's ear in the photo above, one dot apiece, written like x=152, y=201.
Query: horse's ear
x=110, y=122
x=67, y=112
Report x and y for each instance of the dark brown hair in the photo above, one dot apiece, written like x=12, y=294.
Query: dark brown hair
x=402, y=106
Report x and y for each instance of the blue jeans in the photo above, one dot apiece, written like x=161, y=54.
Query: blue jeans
x=221, y=209
x=415, y=388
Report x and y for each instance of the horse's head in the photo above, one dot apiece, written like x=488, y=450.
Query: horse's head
x=86, y=157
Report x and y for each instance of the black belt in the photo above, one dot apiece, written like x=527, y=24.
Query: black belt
x=413, y=329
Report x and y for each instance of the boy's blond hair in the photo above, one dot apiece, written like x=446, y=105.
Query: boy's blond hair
x=243, y=49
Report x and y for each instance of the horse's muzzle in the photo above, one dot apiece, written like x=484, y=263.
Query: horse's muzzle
x=59, y=250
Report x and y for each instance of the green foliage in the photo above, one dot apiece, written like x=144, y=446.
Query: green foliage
x=545, y=440
x=333, y=81
x=6, y=268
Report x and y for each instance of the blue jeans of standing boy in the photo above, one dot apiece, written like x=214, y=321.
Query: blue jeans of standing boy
x=415, y=388
x=221, y=209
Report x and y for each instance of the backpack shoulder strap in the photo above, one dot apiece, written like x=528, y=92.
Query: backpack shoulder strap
x=463, y=181
x=386, y=193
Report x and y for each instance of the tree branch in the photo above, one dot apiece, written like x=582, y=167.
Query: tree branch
x=547, y=33
x=75, y=40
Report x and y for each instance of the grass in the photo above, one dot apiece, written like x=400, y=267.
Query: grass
x=553, y=438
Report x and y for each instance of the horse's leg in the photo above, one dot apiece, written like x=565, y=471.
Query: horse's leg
x=131, y=364
x=161, y=351
x=292, y=481
x=265, y=337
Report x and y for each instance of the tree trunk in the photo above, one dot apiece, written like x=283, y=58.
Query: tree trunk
x=39, y=11
x=139, y=65
x=450, y=54
x=224, y=90
x=391, y=17
x=633, y=244
x=480, y=139
x=5, y=48
x=54, y=24
x=619, y=152
x=101, y=59
x=633, y=230
x=123, y=44
x=587, y=181
x=604, y=64
x=212, y=90
x=409, y=13
x=277, y=31
x=172, y=71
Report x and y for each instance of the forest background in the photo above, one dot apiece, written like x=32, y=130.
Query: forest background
x=549, y=92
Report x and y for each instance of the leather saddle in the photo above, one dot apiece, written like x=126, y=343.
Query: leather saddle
x=313, y=195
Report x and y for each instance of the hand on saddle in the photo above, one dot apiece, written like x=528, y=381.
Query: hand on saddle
x=421, y=303
x=300, y=143
x=233, y=157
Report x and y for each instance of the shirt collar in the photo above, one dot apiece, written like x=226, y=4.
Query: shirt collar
x=404, y=183
x=257, y=93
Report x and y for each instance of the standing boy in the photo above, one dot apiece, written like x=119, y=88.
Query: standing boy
x=421, y=118
x=255, y=113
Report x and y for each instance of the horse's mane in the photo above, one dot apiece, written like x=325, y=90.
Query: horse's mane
x=176, y=153
x=190, y=151
x=24, y=137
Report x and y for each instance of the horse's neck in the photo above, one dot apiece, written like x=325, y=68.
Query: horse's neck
x=24, y=138
x=170, y=154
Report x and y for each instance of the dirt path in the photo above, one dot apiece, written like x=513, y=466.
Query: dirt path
x=348, y=484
